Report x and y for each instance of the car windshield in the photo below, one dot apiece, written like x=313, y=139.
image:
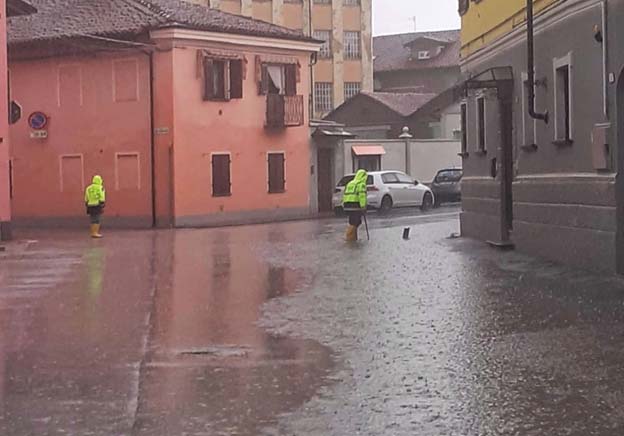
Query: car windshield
x=449, y=176
x=346, y=179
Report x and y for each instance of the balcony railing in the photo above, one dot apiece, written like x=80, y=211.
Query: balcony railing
x=284, y=110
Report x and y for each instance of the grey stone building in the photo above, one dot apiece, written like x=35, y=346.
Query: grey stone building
x=553, y=189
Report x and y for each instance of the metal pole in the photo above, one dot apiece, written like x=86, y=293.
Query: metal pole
x=531, y=65
x=366, y=226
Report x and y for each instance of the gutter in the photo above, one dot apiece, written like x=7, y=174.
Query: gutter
x=531, y=65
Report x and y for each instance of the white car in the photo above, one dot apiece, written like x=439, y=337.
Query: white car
x=388, y=189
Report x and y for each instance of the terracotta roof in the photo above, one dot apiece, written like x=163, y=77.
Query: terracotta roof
x=58, y=19
x=404, y=104
x=392, y=52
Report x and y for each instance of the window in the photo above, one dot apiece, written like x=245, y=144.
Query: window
x=368, y=163
x=323, y=2
x=351, y=2
x=221, y=184
x=404, y=178
x=389, y=178
x=223, y=79
x=279, y=79
x=346, y=179
x=423, y=54
x=326, y=48
x=563, y=99
x=351, y=89
x=352, y=45
x=277, y=182
x=481, y=138
x=323, y=96
x=464, y=127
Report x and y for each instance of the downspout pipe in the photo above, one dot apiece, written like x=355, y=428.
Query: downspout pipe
x=531, y=65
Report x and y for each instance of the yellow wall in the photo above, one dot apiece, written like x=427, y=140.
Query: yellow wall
x=489, y=20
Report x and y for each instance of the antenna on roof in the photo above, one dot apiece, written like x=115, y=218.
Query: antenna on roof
x=413, y=20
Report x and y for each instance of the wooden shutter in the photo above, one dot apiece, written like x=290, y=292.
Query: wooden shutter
x=277, y=181
x=263, y=85
x=290, y=72
x=236, y=79
x=221, y=185
x=208, y=79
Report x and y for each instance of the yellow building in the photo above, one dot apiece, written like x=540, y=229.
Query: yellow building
x=488, y=20
x=345, y=64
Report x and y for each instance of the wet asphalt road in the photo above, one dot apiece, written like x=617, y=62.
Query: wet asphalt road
x=286, y=330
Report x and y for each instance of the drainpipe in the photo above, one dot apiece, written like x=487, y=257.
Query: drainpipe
x=150, y=55
x=605, y=59
x=313, y=61
x=531, y=65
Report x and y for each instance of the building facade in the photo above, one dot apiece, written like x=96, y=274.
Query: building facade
x=547, y=178
x=345, y=63
x=12, y=8
x=190, y=123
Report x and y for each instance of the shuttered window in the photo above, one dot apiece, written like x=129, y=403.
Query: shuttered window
x=223, y=79
x=277, y=181
x=287, y=84
x=221, y=185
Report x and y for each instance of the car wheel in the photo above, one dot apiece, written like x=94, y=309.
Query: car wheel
x=427, y=202
x=386, y=204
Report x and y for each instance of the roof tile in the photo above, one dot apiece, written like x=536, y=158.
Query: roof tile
x=392, y=52
x=57, y=19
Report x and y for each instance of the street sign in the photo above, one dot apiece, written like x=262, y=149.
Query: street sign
x=39, y=134
x=15, y=112
x=38, y=120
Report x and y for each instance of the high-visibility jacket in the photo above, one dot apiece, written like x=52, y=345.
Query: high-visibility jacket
x=95, y=195
x=355, y=191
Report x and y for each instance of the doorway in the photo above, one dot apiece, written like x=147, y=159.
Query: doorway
x=325, y=178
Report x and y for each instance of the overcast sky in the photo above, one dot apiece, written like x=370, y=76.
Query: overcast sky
x=397, y=16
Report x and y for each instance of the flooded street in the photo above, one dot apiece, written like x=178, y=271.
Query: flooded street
x=284, y=329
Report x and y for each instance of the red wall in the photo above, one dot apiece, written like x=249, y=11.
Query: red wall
x=237, y=127
x=5, y=204
x=99, y=123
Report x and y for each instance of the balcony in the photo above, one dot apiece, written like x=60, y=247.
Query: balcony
x=284, y=111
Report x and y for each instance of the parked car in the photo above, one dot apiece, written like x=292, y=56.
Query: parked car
x=446, y=185
x=388, y=189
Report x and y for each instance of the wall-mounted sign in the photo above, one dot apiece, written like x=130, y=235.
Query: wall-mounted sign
x=38, y=120
x=15, y=112
x=39, y=134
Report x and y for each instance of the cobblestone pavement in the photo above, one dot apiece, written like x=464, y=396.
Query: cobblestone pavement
x=286, y=330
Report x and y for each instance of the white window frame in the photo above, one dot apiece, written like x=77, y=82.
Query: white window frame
x=352, y=45
x=329, y=87
x=558, y=63
x=463, y=113
x=326, y=51
x=478, y=97
x=351, y=89
x=525, y=112
x=424, y=54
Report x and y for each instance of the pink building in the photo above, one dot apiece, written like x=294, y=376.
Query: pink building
x=12, y=8
x=192, y=116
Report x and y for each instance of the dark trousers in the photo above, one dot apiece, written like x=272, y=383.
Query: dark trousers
x=95, y=214
x=354, y=213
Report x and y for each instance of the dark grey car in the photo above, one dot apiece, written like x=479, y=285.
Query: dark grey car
x=446, y=185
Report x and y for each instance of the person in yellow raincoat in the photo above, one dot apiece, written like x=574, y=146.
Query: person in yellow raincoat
x=95, y=200
x=354, y=202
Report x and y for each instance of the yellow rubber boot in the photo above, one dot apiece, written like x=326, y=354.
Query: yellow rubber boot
x=95, y=231
x=351, y=234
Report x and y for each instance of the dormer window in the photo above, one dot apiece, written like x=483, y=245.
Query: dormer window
x=423, y=54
